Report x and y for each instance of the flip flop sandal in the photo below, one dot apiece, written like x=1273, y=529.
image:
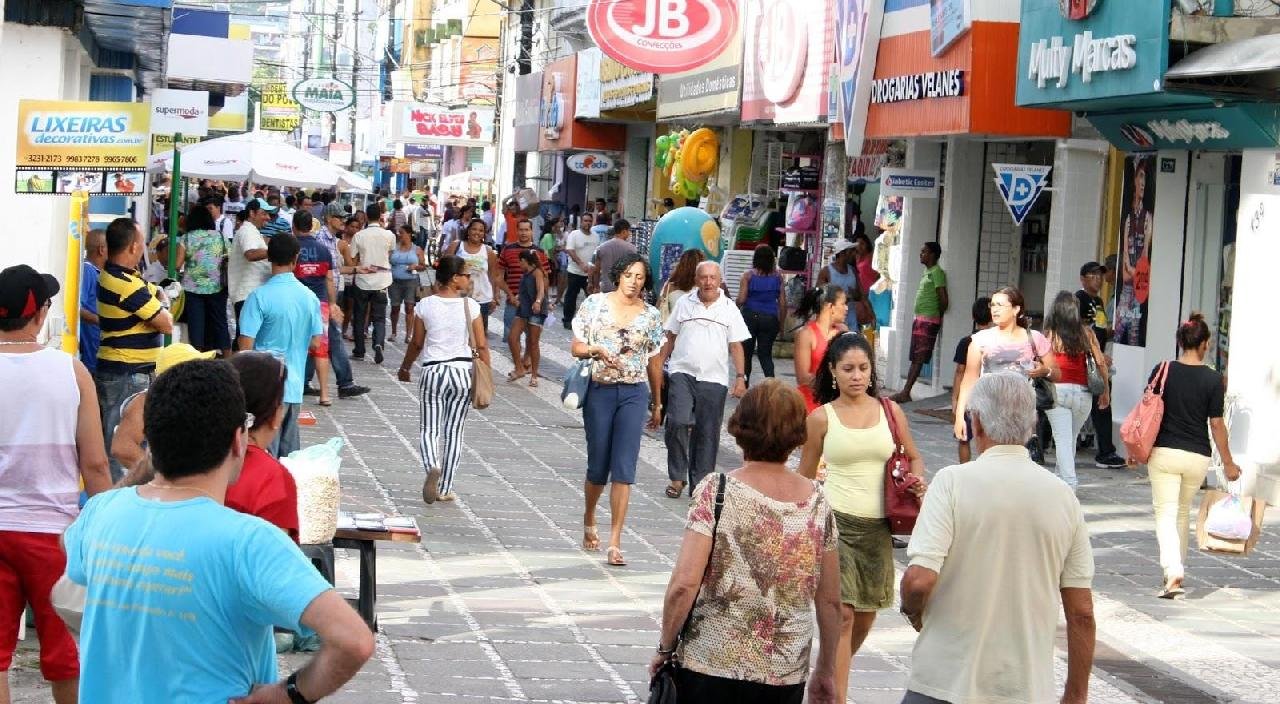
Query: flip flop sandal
x=590, y=538
x=326, y=402
x=533, y=383
x=673, y=492
x=614, y=555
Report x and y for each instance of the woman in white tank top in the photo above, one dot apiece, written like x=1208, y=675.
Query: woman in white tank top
x=482, y=265
x=444, y=326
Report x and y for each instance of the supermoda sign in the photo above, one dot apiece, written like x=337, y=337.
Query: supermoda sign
x=183, y=112
x=662, y=36
x=622, y=86
x=422, y=122
x=83, y=135
x=918, y=86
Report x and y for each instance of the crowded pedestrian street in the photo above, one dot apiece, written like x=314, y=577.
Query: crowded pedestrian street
x=622, y=351
x=500, y=603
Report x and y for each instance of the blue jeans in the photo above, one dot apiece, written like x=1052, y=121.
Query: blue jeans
x=287, y=440
x=508, y=319
x=614, y=417
x=113, y=389
x=207, y=321
x=339, y=362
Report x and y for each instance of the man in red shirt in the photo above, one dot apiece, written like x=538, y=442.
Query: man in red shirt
x=509, y=262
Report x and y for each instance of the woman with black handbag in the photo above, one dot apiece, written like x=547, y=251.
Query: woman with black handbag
x=759, y=554
x=1009, y=345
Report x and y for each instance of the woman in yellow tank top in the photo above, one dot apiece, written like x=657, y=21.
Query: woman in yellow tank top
x=851, y=433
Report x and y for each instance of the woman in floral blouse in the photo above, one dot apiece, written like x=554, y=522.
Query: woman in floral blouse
x=753, y=579
x=623, y=334
x=204, y=256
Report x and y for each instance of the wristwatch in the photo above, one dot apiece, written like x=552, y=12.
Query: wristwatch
x=291, y=688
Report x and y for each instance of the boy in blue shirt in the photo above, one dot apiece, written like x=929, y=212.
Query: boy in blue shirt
x=182, y=592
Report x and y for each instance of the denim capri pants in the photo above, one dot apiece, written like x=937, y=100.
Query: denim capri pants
x=614, y=417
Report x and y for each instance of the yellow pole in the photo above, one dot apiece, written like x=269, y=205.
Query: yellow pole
x=77, y=225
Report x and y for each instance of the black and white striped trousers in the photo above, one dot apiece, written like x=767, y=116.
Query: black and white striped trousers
x=445, y=392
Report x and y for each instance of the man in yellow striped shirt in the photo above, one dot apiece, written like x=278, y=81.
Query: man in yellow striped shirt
x=132, y=316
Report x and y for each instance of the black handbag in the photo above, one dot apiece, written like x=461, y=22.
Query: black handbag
x=662, y=686
x=792, y=259
x=1046, y=392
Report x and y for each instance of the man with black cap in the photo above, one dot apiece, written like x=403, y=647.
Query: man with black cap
x=1094, y=312
x=247, y=266
x=50, y=440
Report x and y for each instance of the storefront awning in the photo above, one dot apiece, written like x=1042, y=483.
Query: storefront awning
x=1243, y=68
x=138, y=27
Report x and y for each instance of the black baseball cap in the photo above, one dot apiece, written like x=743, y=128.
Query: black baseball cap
x=23, y=291
x=1092, y=268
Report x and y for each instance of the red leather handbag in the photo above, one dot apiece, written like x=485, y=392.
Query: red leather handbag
x=901, y=505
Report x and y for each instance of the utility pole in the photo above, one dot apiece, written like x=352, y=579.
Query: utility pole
x=337, y=32
x=355, y=73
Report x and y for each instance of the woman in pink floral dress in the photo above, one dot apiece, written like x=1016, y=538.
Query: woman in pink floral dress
x=752, y=593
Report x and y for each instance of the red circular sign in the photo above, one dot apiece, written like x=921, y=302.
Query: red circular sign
x=662, y=36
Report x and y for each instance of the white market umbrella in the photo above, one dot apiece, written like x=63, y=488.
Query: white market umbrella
x=255, y=157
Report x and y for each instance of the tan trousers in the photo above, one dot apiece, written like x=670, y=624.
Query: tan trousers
x=1176, y=476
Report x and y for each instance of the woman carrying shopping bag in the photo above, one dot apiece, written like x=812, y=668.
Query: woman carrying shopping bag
x=448, y=336
x=1193, y=397
x=1075, y=351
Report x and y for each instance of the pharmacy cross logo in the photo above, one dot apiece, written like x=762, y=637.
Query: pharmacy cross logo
x=1077, y=9
x=1020, y=186
x=662, y=36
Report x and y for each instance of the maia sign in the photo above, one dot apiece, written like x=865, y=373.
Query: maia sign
x=323, y=94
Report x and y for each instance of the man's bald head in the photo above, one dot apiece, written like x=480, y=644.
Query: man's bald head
x=95, y=247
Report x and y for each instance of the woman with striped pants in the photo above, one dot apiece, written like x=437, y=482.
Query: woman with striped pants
x=444, y=326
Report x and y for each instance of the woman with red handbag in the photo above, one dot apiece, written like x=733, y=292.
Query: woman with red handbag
x=857, y=434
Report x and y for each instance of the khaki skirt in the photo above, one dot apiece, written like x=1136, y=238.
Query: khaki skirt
x=866, y=562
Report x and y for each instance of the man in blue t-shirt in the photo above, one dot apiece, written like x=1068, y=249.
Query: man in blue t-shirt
x=183, y=592
x=283, y=317
x=95, y=257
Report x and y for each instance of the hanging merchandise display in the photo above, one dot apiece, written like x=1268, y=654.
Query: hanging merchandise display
x=688, y=159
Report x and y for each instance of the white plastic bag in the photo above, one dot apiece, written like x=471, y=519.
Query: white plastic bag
x=1229, y=520
x=315, y=471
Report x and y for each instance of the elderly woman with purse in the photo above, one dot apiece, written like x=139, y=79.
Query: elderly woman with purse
x=759, y=554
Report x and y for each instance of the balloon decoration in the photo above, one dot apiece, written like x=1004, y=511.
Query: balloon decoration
x=688, y=159
x=680, y=230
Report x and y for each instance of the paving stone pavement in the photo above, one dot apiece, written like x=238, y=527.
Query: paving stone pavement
x=501, y=604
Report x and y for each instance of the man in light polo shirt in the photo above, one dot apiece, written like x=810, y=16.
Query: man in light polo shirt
x=372, y=248
x=999, y=544
x=704, y=357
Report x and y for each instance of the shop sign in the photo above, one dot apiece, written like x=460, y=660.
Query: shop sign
x=591, y=164
x=1020, y=185
x=423, y=151
x=857, y=40
x=865, y=168
x=164, y=142
x=524, y=122
x=918, y=86
x=279, y=111
x=713, y=87
x=554, y=106
x=785, y=77
x=323, y=94
x=663, y=36
x=471, y=126
x=340, y=153
x=909, y=183
x=587, y=104
x=622, y=86
x=948, y=20
x=1252, y=126
x=86, y=135
x=180, y=111
x=1075, y=51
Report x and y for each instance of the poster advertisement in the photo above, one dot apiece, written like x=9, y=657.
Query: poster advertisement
x=948, y=19
x=425, y=123
x=1137, y=228
x=128, y=184
x=72, y=181
x=33, y=182
x=64, y=134
x=280, y=112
